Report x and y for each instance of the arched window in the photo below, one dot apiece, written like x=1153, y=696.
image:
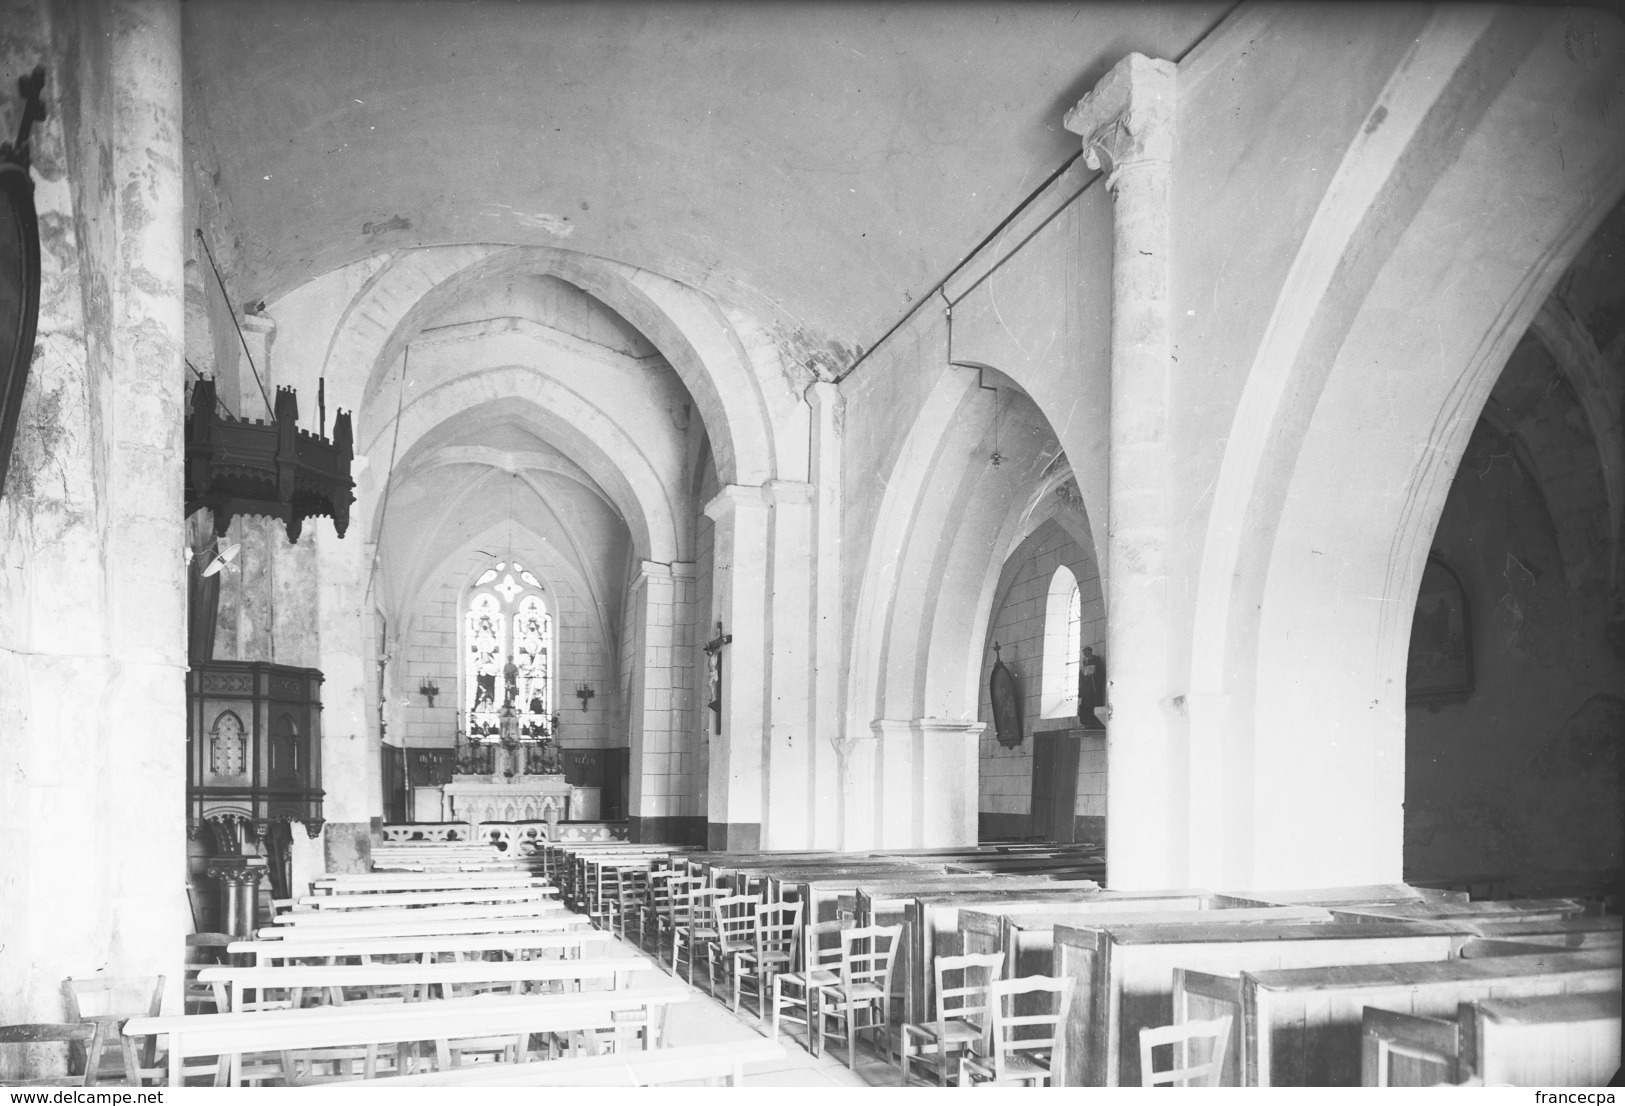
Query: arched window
x=1063, y=639
x=507, y=654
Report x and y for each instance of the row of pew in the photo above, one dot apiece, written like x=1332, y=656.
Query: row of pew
x=1390, y=985
x=443, y=966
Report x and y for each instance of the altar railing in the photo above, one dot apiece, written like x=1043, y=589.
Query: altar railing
x=507, y=835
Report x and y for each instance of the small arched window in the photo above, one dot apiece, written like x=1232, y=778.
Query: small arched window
x=1063, y=639
x=507, y=654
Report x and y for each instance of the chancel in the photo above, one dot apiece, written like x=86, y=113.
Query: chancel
x=553, y=543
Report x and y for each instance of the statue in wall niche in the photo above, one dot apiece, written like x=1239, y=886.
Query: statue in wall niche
x=1091, y=689
x=510, y=684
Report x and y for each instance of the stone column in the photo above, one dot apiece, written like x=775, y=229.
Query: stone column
x=739, y=601
x=788, y=814
x=143, y=706
x=947, y=769
x=655, y=763
x=1127, y=124
x=823, y=758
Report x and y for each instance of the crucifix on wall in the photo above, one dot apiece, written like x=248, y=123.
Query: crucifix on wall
x=713, y=672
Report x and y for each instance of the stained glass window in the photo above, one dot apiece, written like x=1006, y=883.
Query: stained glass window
x=507, y=650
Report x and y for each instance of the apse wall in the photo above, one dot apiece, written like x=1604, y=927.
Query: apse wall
x=1522, y=779
x=1018, y=625
x=430, y=648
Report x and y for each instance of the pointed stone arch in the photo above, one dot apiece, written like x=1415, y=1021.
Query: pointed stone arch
x=1313, y=550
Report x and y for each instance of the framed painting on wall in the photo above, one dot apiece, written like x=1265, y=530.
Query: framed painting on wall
x=1440, y=669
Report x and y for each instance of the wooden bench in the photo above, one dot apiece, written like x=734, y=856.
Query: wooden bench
x=1303, y=1025
x=231, y=1035
x=561, y=942
x=614, y=971
x=1569, y=933
x=551, y=922
x=1124, y=975
x=1550, y=1040
x=388, y=899
x=363, y=882
x=335, y=919
x=653, y=1067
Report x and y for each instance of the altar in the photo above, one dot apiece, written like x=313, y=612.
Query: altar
x=497, y=798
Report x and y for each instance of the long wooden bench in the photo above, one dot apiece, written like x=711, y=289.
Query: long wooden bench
x=650, y=1068
x=1123, y=976
x=230, y=1035
x=615, y=972
x=562, y=943
x=383, y=900
x=1302, y=1025
x=362, y=882
x=549, y=922
x=323, y=919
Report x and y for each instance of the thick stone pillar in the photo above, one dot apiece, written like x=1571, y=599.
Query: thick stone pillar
x=739, y=601
x=787, y=761
x=824, y=785
x=141, y=812
x=658, y=694
x=1127, y=124
x=922, y=782
x=92, y=580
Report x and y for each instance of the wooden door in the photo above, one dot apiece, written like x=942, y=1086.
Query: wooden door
x=1055, y=784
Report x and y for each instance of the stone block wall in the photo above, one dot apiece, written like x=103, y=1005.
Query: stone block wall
x=1018, y=623
x=430, y=648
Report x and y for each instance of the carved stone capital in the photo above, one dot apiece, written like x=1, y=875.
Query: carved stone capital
x=313, y=827
x=1129, y=116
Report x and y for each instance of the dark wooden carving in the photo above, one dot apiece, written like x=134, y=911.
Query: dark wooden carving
x=254, y=745
x=19, y=267
x=251, y=467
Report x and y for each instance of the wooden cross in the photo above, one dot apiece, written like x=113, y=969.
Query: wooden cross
x=713, y=667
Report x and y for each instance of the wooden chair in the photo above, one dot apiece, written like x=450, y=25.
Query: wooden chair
x=1019, y=1048
x=1182, y=1038
x=774, y=942
x=799, y=989
x=656, y=908
x=863, y=988
x=82, y=1037
x=693, y=924
x=963, y=1011
x=203, y=950
x=630, y=898
x=674, y=912
x=733, y=921
x=110, y=1001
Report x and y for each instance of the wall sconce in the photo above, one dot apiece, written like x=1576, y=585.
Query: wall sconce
x=584, y=692
x=428, y=689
